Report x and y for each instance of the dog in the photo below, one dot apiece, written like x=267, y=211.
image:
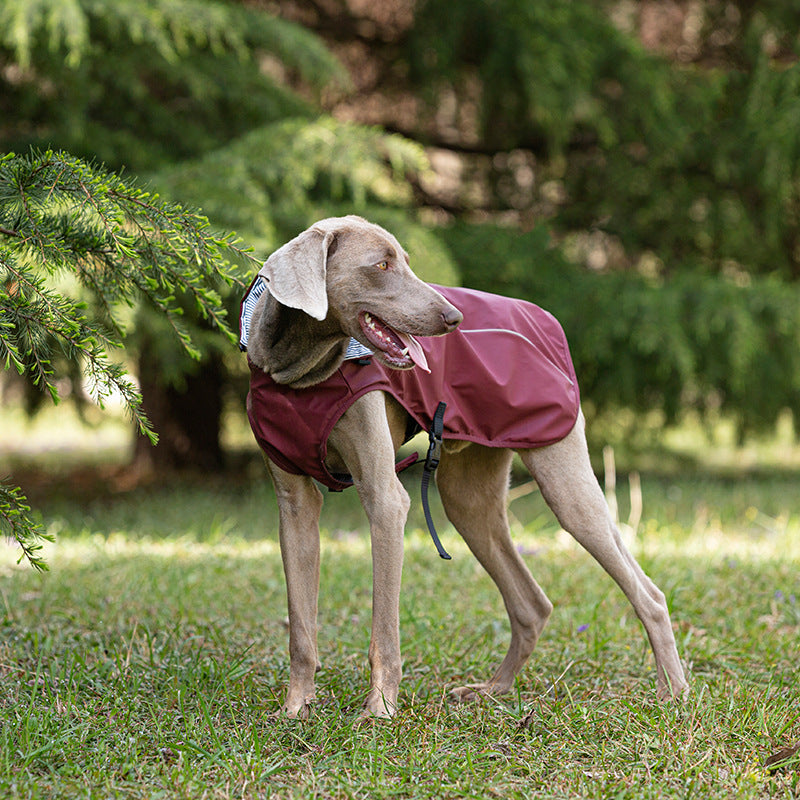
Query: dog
x=319, y=411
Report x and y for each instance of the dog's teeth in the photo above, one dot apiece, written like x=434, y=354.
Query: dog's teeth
x=404, y=351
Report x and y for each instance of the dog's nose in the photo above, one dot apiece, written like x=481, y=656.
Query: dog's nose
x=452, y=318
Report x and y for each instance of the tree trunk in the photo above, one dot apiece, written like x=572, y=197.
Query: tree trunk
x=187, y=419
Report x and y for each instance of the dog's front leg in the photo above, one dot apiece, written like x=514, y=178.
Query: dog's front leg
x=387, y=510
x=363, y=441
x=299, y=506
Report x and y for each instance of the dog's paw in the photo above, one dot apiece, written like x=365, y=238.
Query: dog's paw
x=471, y=693
x=666, y=692
x=302, y=713
x=298, y=707
x=378, y=706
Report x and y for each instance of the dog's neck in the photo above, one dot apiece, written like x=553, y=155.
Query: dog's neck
x=292, y=347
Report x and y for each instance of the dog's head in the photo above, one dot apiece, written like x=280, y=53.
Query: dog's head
x=357, y=274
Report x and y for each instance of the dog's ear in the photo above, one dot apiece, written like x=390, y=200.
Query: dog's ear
x=296, y=272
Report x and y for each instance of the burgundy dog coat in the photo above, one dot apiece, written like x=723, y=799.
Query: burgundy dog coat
x=505, y=374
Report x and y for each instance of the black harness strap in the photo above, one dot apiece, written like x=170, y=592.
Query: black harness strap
x=431, y=462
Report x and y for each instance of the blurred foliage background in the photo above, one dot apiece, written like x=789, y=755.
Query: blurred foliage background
x=632, y=166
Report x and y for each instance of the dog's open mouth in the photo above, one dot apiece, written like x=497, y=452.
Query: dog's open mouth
x=399, y=350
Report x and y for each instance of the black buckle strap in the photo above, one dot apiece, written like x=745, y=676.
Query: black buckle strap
x=431, y=462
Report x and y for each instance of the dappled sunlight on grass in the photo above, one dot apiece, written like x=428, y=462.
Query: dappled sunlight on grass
x=58, y=437
x=714, y=542
x=86, y=549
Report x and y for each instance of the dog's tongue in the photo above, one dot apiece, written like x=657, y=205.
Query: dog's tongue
x=415, y=352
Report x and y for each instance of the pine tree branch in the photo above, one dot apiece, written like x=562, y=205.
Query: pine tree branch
x=59, y=214
x=17, y=524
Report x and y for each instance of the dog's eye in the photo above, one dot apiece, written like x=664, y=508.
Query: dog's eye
x=384, y=265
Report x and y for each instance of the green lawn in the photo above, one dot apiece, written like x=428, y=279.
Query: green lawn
x=151, y=659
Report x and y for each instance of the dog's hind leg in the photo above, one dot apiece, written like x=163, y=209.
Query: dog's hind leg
x=299, y=506
x=473, y=485
x=566, y=480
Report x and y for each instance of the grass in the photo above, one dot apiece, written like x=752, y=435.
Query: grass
x=151, y=659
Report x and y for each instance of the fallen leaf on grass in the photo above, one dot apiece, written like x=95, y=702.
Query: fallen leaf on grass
x=784, y=759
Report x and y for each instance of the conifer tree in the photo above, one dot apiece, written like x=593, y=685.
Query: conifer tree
x=77, y=245
x=143, y=84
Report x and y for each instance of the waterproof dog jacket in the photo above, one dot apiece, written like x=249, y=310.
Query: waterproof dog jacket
x=505, y=374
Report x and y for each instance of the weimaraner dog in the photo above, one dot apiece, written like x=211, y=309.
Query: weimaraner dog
x=346, y=278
